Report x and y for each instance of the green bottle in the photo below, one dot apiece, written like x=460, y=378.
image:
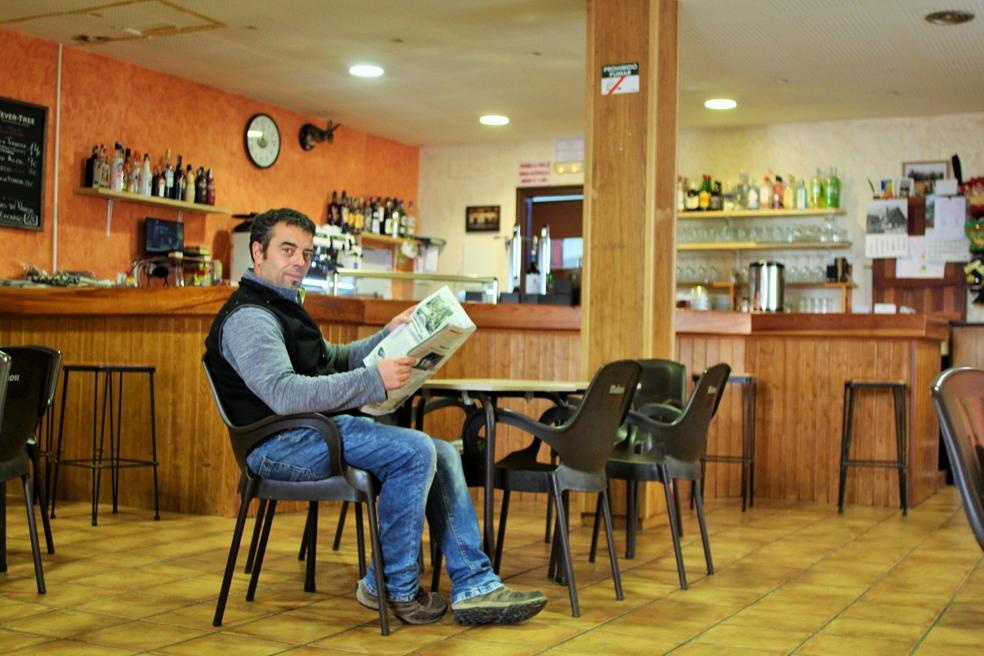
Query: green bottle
x=833, y=190
x=817, y=199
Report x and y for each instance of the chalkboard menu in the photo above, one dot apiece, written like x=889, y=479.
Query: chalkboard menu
x=21, y=164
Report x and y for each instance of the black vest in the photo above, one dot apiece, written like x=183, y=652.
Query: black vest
x=302, y=338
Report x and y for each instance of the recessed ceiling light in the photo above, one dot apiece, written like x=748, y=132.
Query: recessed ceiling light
x=949, y=17
x=366, y=70
x=493, y=119
x=720, y=103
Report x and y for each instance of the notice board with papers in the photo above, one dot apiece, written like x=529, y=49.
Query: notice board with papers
x=22, y=148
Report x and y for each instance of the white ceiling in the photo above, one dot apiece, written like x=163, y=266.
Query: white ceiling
x=448, y=62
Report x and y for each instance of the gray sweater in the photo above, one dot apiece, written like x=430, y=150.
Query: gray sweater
x=253, y=343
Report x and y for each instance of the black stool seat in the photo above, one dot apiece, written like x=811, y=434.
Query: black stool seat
x=112, y=374
x=747, y=456
x=898, y=390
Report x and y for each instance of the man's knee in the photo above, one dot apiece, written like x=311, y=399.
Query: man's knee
x=421, y=450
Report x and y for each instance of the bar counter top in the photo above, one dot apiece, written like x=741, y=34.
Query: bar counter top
x=206, y=301
x=844, y=325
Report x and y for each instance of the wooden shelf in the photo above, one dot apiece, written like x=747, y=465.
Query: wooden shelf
x=396, y=241
x=108, y=194
x=764, y=246
x=760, y=214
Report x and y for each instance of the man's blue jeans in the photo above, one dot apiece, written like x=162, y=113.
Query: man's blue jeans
x=406, y=462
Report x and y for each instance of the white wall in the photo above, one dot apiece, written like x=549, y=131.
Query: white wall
x=453, y=177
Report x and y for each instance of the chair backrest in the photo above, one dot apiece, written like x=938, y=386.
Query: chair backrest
x=29, y=392
x=661, y=381
x=589, y=436
x=685, y=439
x=958, y=395
x=240, y=450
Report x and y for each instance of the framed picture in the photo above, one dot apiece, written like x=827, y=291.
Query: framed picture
x=482, y=218
x=925, y=174
x=904, y=189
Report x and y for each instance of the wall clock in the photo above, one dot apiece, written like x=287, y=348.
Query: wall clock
x=262, y=139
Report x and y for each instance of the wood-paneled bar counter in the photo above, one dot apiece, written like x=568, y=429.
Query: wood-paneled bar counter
x=800, y=362
x=167, y=328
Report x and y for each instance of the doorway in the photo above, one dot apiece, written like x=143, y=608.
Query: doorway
x=561, y=209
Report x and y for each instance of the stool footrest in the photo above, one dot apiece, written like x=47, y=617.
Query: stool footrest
x=733, y=459
x=873, y=463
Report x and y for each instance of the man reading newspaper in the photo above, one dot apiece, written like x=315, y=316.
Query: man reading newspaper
x=268, y=357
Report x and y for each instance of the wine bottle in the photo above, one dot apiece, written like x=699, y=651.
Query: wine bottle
x=146, y=177
x=210, y=188
x=201, y=186
x=180, y=184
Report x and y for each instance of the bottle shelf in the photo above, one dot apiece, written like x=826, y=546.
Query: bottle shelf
x=792, y=285
x=386, y=240
x=764, y=246
x=109, y=194
x=759, y=214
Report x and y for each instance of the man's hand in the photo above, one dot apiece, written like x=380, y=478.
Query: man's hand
x=400, y=319
x=395, y=371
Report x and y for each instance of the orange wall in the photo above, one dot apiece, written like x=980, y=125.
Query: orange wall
x=105, y=100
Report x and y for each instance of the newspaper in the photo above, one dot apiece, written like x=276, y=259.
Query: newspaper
x=438, y=327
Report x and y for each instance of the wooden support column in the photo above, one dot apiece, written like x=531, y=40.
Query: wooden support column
x=628, y=286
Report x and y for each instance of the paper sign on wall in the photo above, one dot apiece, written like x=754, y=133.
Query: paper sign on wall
x=619, y=78
x=532, y=174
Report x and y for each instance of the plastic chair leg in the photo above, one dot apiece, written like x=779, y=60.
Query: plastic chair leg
x=610, y=538
x=503, y=515
x=312, y=546
x=254, y=578
x=377, y=561
x=671, y=511
x=336, y=543
x=32, y=528
x=237, y=536
x=565, y=548
x=703, y=534
x=39, y=492
x=845, y=444
x=360, y=539
x=594, y=532
x=257, y=527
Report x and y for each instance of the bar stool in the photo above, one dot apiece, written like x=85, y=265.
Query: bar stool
x=112, y=378
x=898, y=390
x=747, y=457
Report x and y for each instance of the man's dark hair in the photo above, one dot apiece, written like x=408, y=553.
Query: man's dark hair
x=261, y=229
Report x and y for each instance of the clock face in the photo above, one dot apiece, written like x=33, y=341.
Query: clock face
x=262, y=140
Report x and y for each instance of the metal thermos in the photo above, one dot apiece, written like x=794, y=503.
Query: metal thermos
x=515, y=246
x=543, y=258
x=766, y=281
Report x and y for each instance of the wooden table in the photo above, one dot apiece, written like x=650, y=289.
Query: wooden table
x=488, y=391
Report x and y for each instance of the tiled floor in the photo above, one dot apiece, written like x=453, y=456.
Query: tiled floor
x=790, y=579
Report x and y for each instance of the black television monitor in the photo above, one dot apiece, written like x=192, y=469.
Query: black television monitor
x=163, y=236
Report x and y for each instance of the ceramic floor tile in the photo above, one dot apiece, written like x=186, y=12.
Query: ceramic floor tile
x=14, y=640
x=223, y=644
x=829, y=644
x=72, y=648
x=140, y=634
x=749, y=637
x=64, y=623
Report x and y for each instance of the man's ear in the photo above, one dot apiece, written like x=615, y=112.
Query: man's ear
x=255, y=250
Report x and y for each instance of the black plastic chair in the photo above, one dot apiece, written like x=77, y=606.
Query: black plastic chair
x=345, y=483
x=22, y=391
x=583, y=443
x=958, y=396
x=667, y=452
x=44, y=361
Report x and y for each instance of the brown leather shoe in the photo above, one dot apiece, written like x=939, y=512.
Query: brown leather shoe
x=425, y=607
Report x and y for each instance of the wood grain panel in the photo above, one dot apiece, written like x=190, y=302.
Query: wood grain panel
x=799, y=411
x=967, y=345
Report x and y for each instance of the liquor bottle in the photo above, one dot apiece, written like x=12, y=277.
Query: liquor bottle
x=377, y=215
x=765, y=193
x=146, y=177
x=704, y=199
x=89, y=175
x=411, y=220
x=333, y=209
x=802, y=195
x=345, y=212
x=105, y=168
x=833, y=189
x=180, y=184
x=752, y=196
x=532, y=270
x=388, y=217
x=816, y=191
x=209, y=188
x=741, y=191
x=693, y=199
x=136, y=167
x=789, y=192
x=155, y=180
x=777, y=193
x=189, y=179
x=201, y=186
x=168, y=176
x=161, y=189
x=717, y=200
x=681, y=193
x=116, y=181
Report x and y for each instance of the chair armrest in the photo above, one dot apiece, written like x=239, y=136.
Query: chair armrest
x=548, y=434
x=663, y=412
x=246, y=438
